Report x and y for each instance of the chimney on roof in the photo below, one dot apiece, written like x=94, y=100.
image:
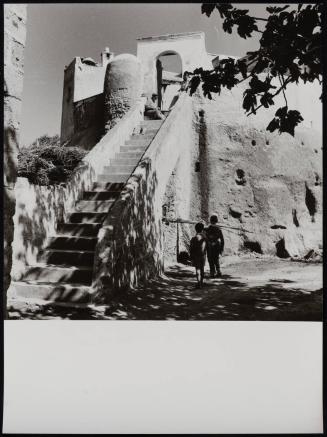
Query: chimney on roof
x=106, y=56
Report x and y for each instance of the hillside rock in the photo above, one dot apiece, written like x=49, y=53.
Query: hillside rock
x=266, y=184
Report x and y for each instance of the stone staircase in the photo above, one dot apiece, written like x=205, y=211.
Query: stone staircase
x=65, y=270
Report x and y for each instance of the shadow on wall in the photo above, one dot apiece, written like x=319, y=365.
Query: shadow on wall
x=10, y=175
x=130, y=247
x=88, y=122
x=10, y=155
x=202, y=166
x=36, y=219
x=130, y=242
x=134, y=241
x=47, y=206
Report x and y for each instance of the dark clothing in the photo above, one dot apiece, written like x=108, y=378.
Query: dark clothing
x=215, y=236
x=198, y=247
x=215, y=247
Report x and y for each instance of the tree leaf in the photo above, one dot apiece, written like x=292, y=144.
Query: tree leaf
x=194, y=83
x=249, y=100
x=281, y=112
x=273, y=125
x=224, y=9
x=276, y=10
x=207, y=8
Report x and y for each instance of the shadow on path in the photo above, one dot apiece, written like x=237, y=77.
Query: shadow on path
x=174, y=297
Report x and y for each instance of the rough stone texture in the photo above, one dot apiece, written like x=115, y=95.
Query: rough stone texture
x=130, y=249
x=14, y=43
x=67, y=113
x=122, y=87
x=209, y=159
x=37, y=220
x=267, y=184
x=88, y=119
x=177, y=202
x=257, y=181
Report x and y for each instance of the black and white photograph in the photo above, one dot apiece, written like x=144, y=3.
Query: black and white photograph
x=163, y=217
x=153, y=173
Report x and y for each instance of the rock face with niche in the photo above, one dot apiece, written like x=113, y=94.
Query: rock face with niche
x=264, y=183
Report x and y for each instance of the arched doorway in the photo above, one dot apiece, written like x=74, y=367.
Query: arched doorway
x=169, y=68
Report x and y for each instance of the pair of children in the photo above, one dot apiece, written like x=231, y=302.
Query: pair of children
x=207, y=241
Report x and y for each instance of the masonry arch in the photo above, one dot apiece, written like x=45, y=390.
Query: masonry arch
x=190, y=46
x=169, y=77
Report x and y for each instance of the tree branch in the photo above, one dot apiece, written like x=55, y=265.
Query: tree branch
x=274, y=95
x=260, y=19
x=282, y=82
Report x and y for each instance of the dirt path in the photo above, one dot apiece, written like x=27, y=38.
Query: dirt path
x=250, y=289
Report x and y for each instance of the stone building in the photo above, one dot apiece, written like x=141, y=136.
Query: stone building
x=232, y=152
x=113, y=225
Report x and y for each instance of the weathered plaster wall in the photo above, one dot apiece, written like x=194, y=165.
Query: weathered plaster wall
x=14, y=43
x=122, y=88
x=268, y=184
x=67, y=112
x=88, y=122
x=36, y=220
x=177, y=200
x=89, y=80
x=130, y=247
x=82, y=95
x=190, y=46
x=170, y=95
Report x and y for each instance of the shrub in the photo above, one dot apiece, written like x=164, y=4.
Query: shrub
x=46, y=140
x=48, y=164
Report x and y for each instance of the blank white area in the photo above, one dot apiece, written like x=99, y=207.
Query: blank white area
x=162, y=377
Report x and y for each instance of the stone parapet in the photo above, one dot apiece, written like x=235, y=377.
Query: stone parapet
x=129, y=249
x=36, y=220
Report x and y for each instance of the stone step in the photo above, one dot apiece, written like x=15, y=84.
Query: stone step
x=152, y=123
x=100, y=195
x=108, y=186
x=129, y=155
x=78, y=229
x=55, y=274
x=136, y=149
x=138, y=141
x=69, y=257
x=72, y=243
x=118, y=169
x=86, y=217
x=93, y=205
x=63, y=292
x=124, y=161
x=119, y=177
x=147, y=135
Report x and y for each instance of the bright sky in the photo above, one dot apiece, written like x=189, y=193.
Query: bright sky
x=56, y=33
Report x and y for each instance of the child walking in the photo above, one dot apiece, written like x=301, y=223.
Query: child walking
x=215, y=246
x=198, y=249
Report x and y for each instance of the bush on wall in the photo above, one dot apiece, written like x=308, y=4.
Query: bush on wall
x=48, y=164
